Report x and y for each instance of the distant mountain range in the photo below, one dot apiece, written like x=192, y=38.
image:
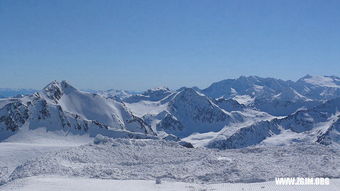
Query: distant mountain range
x=232, y=113
x=8, y=92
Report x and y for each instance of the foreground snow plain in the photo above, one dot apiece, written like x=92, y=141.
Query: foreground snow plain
x=30, y=144
x=56, y=183
x=123, y=164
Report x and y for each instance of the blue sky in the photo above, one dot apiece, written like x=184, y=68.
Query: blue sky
x=141, y=44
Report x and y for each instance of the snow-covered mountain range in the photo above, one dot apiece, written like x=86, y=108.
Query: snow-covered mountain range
x=293, y=128
x=61, y=107
x=232, y=113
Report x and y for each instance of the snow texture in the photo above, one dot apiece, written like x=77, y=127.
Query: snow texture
x=127, y=159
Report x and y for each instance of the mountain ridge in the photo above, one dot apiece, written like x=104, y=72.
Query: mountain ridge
x=231, y=113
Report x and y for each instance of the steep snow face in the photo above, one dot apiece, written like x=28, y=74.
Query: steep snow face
x=155, y=94
x=143, y=108
x=89, y=106
x=61, y=107
x=319, y=124
x=95, y=107
x=244, y=99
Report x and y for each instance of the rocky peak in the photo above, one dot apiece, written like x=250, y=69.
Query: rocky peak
x=157, y=92
x=13, y=115
x=189, y=104
x=189, y=96
x=55, y=89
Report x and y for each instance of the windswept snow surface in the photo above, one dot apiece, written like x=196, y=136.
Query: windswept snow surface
x=42, y=137
x=244, y=99
x=132, y=159
x=56, y=183
x=142, y=108
x=29, y=144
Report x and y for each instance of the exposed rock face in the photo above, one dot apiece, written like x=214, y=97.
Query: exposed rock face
x=229, y=104
x=170, y=124
x=13, y=115
x=54, y=90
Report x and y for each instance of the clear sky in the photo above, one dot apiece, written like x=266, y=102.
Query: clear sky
x=141, y=44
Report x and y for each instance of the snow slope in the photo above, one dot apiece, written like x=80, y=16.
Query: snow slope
x=56, y=183
x=29, y=144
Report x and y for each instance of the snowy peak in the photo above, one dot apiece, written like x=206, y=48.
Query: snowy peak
x=190, y=112
x=188, y=93
x=55, y=90
x=61, y=107
x=188, y=97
